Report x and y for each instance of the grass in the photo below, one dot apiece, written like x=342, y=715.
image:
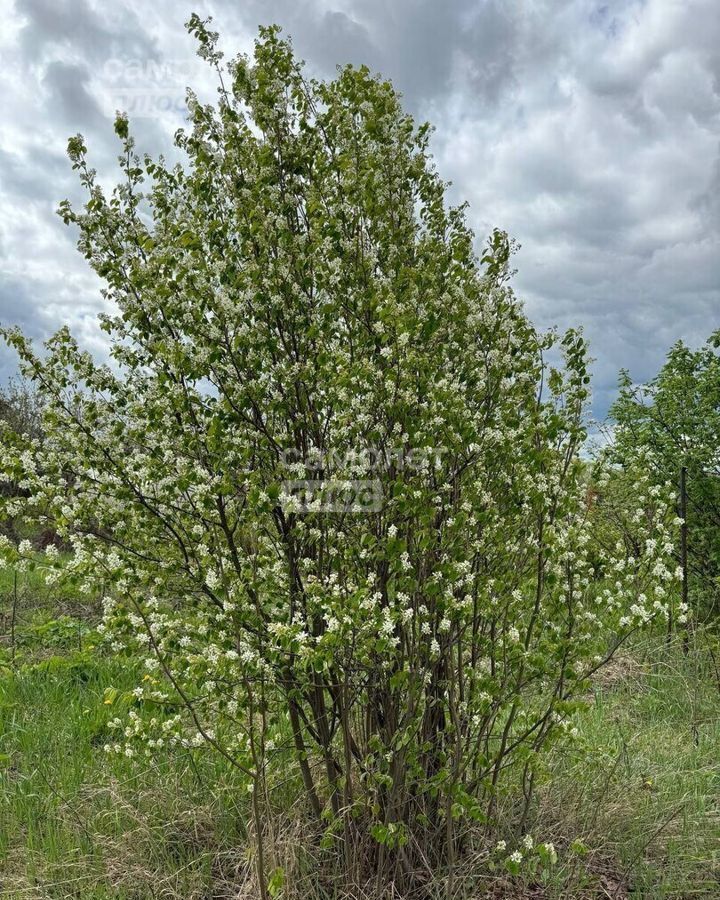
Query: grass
x=75, y=821
x=634, y=812
x=644, y=797
x=79, y=823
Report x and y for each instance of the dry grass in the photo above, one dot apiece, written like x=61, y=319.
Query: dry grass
x=634, y=812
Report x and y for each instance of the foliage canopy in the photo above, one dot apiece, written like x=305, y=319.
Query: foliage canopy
x=673, y=421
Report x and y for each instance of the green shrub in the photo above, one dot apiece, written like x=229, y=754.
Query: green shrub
x=331, y=483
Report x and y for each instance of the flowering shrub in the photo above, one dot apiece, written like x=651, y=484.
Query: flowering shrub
x=528, y=857
x=299, y=305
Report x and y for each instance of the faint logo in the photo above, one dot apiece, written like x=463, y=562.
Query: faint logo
x=331, y=496
x=145, y=88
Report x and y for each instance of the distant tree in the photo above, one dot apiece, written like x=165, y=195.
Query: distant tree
x=20, y=421
x=674, y=422
x=330, y=478
x=21, y=407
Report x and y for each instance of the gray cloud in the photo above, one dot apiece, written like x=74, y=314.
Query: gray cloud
x=53, y=26
x=73, y=104
x=590, y=132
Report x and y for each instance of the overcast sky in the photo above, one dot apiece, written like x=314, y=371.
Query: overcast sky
x=590, y=132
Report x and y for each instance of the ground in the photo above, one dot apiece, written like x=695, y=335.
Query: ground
x=633, y=809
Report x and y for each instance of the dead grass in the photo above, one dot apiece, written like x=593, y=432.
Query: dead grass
x=634, y=811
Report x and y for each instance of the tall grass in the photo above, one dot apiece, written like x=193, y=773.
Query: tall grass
x=643, y=795
x=633, y=811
